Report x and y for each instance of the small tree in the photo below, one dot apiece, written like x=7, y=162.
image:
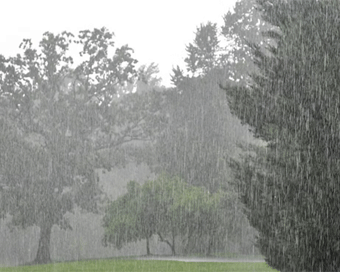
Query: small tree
x=171, y=208
x=208, y=219
x=121, y=221
x=144, y=211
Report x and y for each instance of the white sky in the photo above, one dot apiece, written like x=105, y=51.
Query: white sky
x=158, y=31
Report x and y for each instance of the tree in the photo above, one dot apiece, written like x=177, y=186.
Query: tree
x=291, y=187
x=144, y=211
x=202, y=53
x=196, y=142
x=170, y=208
x=242, y=27
x=177, y=76
x=123, y=219
x=209, y=219
x=148, y=75
x=201, y=135
x=161, y=195
x=146, y=80
x=67, y=122
x=227, y=48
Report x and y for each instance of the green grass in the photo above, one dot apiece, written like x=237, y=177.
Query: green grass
x=228, y=255
x=121, y=265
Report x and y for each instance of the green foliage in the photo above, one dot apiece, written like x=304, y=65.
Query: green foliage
x=245, y=25
x=144, y=211
x=121, y=226
x=241, y=28
x=171, y=208
x=291, y=188
x=202, y=135
x=226, y=48
x=65, y=122
x=209, y=219
x=202, y=53
x=197, y=142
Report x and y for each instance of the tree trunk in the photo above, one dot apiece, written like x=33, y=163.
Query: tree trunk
x=148, y=246
x=43, y=253
x=173, y=244
x=173, y=250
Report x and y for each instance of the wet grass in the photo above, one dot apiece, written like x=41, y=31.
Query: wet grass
x=124, y=265
x=229, y=256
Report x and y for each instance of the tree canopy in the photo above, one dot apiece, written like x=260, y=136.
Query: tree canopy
x=291, y=187
x=201, y=135
x=202, y=53
x=170, y=208
x=65, y=122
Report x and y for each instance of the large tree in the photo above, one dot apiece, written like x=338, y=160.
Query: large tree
x=196, y=142
x=202, y=135
x=65, y=122
x=200, y=138
x=291, y=188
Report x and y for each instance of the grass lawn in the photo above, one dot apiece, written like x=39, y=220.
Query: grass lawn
x=122, y=265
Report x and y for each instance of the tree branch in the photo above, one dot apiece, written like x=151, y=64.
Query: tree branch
x=164, y=240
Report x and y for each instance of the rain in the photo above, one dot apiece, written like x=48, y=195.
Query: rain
x=232, y=164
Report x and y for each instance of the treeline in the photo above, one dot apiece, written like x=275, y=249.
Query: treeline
x=198, y=140
x=280, y=80
x=62, y=121
x=273, y=65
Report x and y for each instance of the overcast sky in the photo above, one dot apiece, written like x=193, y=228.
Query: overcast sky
x=157, y=30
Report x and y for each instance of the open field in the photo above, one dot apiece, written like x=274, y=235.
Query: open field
x=122, y=265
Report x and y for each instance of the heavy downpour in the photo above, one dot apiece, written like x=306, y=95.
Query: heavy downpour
x=207, y=140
